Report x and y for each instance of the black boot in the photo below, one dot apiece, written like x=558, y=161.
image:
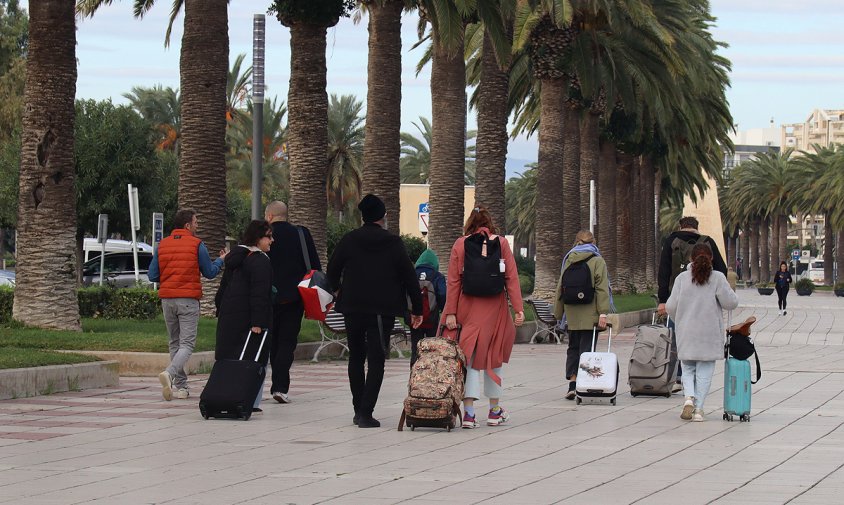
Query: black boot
x=571, y=392
x=367, y=421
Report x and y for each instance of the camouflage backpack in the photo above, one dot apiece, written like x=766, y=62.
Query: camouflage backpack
x=435, y=389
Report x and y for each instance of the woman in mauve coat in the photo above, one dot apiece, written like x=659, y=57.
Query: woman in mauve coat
x=488, y=331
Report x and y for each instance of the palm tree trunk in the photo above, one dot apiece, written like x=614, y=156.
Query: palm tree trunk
x=203, y=69
x=782, y=246
x=448, y=148
x=755, y=251
x=657, y=236
x=744, y=245
x=775, y=243
x=637, y=225
x=45, y=292
x=839, y=254
x=590, y=151
x=648, y=194
x=607, y=207
x=730, y=242
x=551, y=240
x=623, y=221
x=307, y=131
x=571, y=174
x=764, y=250
x=828, y=244
x=381, y=151
x=491, y=143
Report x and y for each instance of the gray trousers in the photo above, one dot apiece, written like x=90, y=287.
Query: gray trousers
x=181, y=315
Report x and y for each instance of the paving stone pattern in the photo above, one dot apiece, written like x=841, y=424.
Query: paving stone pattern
x=125, y=445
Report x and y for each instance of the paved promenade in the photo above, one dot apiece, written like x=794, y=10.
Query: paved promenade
x=127, y=446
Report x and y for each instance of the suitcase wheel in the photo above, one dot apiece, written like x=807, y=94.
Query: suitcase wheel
x=412, y=427
x=448, y=428
x=578, y=401
x=668, y=394
x=204, y=411
x=744, y=418
x=634, y=395
x=728, y=417
x=612, y=401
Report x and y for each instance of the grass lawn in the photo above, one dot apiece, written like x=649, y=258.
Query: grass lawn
x=16, y=357
x=630, y=303
x=118, y=335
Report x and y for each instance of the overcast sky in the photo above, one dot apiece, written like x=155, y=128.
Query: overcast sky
x=788, y=58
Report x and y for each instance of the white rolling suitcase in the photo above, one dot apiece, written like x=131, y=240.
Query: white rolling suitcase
x=597, y=373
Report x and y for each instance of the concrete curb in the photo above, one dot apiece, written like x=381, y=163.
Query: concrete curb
x=44, y=380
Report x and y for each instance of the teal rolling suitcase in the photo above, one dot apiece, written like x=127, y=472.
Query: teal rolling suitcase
x=737, y=389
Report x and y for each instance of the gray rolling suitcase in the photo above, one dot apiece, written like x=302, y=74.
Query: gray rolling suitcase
x=653, y=362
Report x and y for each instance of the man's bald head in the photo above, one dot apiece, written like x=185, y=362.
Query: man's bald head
x=276, y=211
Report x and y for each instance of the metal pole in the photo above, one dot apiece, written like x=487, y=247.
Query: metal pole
x=258, y=22
x=592, y=207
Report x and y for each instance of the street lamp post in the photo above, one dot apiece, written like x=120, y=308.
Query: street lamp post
x=258, y=41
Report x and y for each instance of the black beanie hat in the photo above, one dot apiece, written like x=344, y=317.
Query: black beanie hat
x=371, y=208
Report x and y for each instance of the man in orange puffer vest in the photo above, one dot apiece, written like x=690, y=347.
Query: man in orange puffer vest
x=176, y=264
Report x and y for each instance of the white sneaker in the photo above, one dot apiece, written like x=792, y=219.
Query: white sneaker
x=281, y=397
x=698, y=416
x=688, y=408
x=182, y=393
x=166, y=385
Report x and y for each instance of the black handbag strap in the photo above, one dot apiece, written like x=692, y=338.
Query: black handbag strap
x=304, y=248
x=758, y=368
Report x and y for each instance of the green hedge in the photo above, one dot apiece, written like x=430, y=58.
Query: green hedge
x=101, y=302
x=7, y=297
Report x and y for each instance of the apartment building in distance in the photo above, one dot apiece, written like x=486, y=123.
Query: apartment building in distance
x=823, y=127
x=748, y=143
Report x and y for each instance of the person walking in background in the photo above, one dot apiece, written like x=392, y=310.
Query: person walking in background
x=287, y=255
x=581, y=318
x=732, y=278
x=372, y=275
x=782, y=282
x=673, y=260
x=429, y=276
x=176, y=265
x=487, y=330
x=245, y=298
x=696, y=302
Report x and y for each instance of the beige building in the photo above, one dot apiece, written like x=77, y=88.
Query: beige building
x=412, y=196
x=823, y=126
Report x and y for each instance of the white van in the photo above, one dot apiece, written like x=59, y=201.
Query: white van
x=815, y=271
x=92, y=248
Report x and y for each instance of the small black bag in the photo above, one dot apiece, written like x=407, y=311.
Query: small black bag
x=482, y=266
x=740, y=347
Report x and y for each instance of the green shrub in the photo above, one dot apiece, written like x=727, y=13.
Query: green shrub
x=335, y=232
x=415, y=247
x=526, y=283
x=805, y=284
x=133, y=303
x=764, y=285
x=525, y=266
x=94, y=300
x=838, y=285
x=7, y=297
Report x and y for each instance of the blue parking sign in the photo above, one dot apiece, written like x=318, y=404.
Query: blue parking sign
x=795, y=254
x=423, y=208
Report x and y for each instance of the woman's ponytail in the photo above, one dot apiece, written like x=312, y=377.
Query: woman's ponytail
x=701, y=263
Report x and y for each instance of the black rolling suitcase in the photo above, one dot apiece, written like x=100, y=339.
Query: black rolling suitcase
x=233, y=386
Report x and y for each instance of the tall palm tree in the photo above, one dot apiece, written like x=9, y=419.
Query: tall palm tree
x=203, y=71
x=237, y=87
x=345, y=154
x=415, y=163
x=307, y=102
x=274, y=160
x=383, y=105
x=45, y=293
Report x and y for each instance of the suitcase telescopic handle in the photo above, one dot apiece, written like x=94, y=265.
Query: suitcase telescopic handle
x=595, y=336
x=260, y=347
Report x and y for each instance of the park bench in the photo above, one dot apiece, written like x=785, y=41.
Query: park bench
x=546, y=323
x=333, y=331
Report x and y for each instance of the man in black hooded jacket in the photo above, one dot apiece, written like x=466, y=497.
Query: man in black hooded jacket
x=372, y=275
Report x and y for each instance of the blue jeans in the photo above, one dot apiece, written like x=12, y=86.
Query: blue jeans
x=698, y=380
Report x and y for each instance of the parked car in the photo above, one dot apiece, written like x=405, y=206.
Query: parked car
x=92, y=249
x=7, y=278
x=119, y=270
x=815, y=271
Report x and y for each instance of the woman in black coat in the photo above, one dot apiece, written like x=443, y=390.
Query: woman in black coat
x=782, y=281
x=244, y=300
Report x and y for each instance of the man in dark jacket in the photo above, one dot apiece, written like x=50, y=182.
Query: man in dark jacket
x=289, y=266
x=669, y=267
x=373, y=275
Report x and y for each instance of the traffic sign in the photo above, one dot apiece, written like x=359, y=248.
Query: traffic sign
x=795, y=254
x=424, y=218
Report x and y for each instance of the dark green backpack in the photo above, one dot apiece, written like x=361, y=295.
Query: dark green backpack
x=680, y=252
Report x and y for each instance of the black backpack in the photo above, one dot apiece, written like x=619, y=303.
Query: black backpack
x=681, y=250
x=577, y=288
x=482, y=275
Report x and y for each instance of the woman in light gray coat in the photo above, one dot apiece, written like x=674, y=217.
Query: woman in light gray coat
x=695, y=304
